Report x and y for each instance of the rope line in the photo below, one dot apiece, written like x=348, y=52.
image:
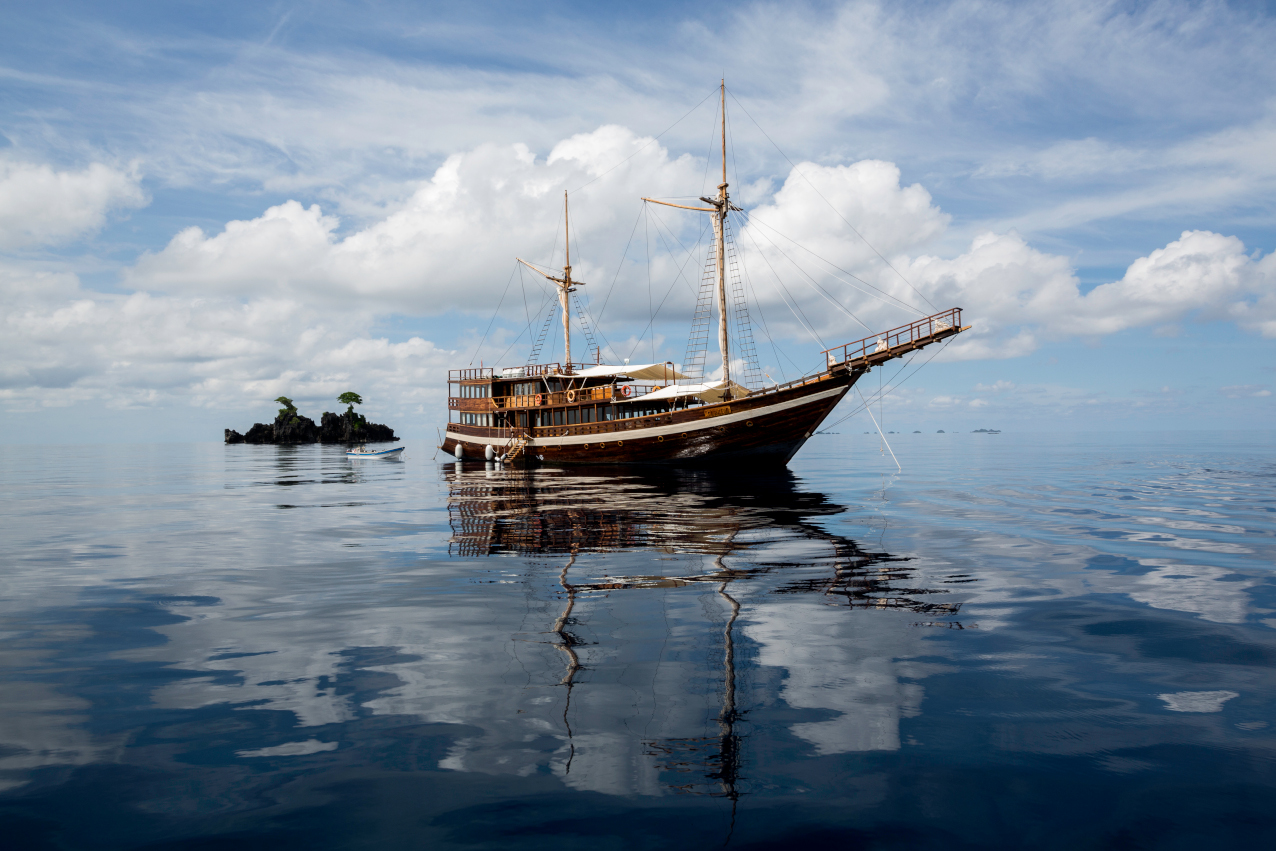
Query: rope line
x=494, y=314
x=648, y=145
x=884, y=295
x=831, y=207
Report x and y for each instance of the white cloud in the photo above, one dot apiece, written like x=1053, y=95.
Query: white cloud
x=60, y=344
x=41, y=206
x=1014, y=295
x=452, y=245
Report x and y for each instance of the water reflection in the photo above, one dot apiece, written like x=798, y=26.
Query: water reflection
x=421, y=656
x=716, y=532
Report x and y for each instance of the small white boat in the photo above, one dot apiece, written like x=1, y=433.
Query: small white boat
x=361, y=452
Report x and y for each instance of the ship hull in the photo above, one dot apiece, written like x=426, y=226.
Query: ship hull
x=765, y=428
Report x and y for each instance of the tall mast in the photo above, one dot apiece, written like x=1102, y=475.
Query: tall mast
x=565, y=285
x=719, y=233
x=719, y=208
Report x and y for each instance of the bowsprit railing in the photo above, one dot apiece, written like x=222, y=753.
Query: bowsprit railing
x=891, y=344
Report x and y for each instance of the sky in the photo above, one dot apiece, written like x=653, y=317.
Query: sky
x=205, y=206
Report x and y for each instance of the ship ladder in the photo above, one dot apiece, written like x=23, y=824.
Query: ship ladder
x=514, y=449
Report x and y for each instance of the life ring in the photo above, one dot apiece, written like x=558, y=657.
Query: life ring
x=625, y=390
x=571, y=395
x=538, y=398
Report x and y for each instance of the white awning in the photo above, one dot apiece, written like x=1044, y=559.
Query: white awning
x=712, y=392
x=644, y=371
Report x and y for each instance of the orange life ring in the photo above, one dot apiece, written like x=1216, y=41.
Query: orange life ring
x=538, y=398
x=625, y=390
x=571, y=395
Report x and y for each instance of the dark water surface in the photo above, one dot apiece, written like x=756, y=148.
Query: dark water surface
x=1020, y=642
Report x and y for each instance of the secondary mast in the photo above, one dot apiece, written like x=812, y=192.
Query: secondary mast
x=565, y=285
x=721, y=205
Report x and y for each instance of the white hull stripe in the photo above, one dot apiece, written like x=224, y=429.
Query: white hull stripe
x=653, y=431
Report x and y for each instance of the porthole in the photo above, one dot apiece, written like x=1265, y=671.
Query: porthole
x=749, y=423
x=661, y=438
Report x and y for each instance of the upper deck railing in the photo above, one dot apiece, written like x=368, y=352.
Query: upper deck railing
x=886, y=345
x=604, y=393
x=531, y=370
x=470, y=374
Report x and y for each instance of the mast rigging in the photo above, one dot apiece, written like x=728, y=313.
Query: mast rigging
x=719, y=207
x=565, y=286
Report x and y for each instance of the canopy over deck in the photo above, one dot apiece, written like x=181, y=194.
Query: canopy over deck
x=711, y=392
x=643, y=371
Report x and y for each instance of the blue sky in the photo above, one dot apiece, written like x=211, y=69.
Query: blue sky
x=203, y=206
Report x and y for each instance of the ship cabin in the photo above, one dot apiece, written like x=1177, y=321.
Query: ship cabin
x=544, y=400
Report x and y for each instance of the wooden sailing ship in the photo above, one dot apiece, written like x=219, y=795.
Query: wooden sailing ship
x=577, y=413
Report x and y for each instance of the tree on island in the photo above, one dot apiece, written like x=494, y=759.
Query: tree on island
x=350, y=398
x=288, y=409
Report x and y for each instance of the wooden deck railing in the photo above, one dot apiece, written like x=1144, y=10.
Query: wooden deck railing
x=605, y=393
x=923, y=331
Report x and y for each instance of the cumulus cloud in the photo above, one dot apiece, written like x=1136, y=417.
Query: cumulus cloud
x=41, y=206
x=450, y=245
x=1014, y=294
x=61, y=344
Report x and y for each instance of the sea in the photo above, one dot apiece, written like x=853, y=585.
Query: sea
x=1045, y=641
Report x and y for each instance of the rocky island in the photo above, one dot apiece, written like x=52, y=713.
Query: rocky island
x=291, y=427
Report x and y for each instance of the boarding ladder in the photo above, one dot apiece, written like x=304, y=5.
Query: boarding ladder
x=514, y=449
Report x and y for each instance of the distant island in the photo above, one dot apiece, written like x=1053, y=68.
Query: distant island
x=291, y=427
x=986, y=431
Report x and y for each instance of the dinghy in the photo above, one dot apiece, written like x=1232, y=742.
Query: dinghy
x=361, y=452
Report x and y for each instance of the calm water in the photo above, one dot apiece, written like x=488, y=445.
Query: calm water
x=1020, y=642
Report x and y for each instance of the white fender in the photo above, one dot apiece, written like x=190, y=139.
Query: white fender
x=459, y=452
x=489, y=452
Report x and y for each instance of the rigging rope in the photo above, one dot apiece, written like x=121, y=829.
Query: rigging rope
x=494, y=314
x=831, y=207
x=880, y=432
x=787, y=296
x=812, y=282
x=893, y=387
x=620, y=267
x=648, y=145
x=884, y=295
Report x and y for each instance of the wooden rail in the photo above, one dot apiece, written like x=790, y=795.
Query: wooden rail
x=605, y=393
x=887, y=345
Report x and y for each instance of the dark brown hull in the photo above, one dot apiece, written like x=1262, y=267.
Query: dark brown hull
x=767, y=427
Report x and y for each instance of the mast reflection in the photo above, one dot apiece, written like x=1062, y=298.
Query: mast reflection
x=552, y=512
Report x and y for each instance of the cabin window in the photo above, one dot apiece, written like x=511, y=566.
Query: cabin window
x=587, y=414
x=527, y=388
x=558, y=417
x=573, y=416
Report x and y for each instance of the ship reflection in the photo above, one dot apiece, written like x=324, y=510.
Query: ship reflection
x=746, y=528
